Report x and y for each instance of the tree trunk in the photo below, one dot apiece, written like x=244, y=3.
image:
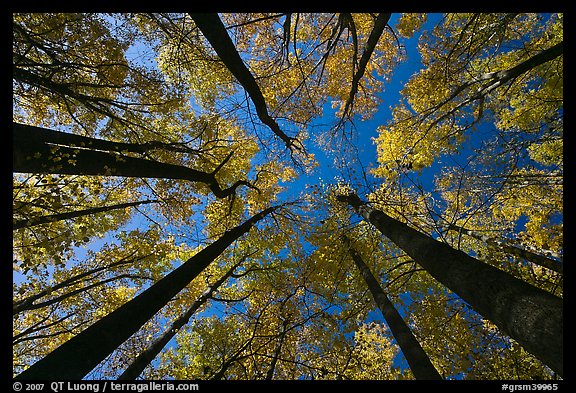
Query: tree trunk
x=31, y=156
x=79, y=355
x=45, y=135
x=529, y=315
x=143, y=359
x=277, y=350
x=33, y=221
x=215, y=32
x=419, y=362
x=380, y=24
x=538, y=259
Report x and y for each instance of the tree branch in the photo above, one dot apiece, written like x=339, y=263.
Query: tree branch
x=215, y=32
x=379, y=25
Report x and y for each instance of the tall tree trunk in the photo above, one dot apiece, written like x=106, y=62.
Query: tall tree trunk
x=32, y=156
x=46, y=135
x=530, y=256
x=33, y=221
x=531, y=316
x=143, y=359
x=215, y=32
x=79, y=355
x=419, y=362
x=380, y=24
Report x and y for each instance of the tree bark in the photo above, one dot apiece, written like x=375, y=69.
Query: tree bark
x=215, y=32
x=33, y=221
x=417, y=359
x=32, y=156
x=529, y=315
x=40, y=134
x=380, y=24
x=138, y=365
x=79, y=355
x=538, y=259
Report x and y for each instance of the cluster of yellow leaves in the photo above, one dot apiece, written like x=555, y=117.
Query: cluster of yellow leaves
x=24, y=354
x=539, y=96
x=516, y=363
x=208, y=79
x=405, y=145
x=82, y=60
x=73, y=37
x=431, y=121
x=374, y=353
x=214, y=341
x=548, y=152
x=288, y=283
x=409, y=205
x=147, y=258
x=409, y=23
x=201, y=351
x=297, y=77
x=452, y=346
x=115, y=297
x=41, y=195
x=270, y=181
x=538, y=205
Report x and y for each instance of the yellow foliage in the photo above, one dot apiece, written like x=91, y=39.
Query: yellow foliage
x=409, y=23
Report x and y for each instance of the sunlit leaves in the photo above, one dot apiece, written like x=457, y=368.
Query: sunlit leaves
x=52, y=243
x=409, y=23
x=296, y=307
x=447, y=98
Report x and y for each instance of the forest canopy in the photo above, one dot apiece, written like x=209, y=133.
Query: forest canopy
x=284, y=196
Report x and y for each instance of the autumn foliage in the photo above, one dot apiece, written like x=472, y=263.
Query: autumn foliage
x=256, y=153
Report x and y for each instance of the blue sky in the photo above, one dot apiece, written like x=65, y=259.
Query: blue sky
x=326, y=171
x=367, y=130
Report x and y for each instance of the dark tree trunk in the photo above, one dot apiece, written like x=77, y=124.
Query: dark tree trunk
x=45, y=135
x=531, y=316
x=277, y=350
x=32, y=156
x=380, y=24
x=419, y=362
x=530, y=256
x=139, y=364
x=79, y=355
x=215, y=32
x=30, y=222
